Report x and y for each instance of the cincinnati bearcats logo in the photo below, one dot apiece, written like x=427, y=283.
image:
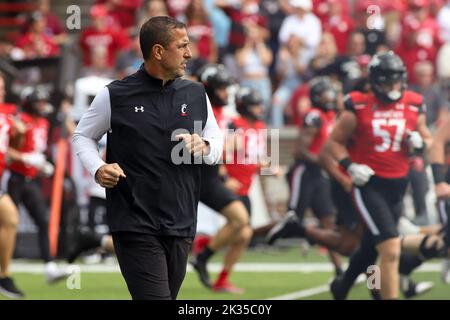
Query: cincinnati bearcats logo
x=183, y=109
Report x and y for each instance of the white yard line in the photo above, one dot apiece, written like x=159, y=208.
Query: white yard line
x=27, y=267
x=302, y=293
x=310, y=292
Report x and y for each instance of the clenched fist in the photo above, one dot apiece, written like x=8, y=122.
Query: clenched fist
x=108, y=175
x=194, y=144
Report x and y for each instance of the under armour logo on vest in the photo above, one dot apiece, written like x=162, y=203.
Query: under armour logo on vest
x=139, y=109
x=183, y=109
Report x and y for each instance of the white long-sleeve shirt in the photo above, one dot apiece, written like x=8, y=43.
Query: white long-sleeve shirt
x=97, y=121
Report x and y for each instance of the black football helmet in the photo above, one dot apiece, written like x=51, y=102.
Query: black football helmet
x=245, y=99
x=213, y=77
x=386, y=69
x=323, y=94
x=30, y=99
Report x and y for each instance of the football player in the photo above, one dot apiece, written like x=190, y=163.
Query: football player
x=371, y=141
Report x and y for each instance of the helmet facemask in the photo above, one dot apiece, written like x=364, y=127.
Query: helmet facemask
x=323, y=94
x=389, y=88
x=388, y=77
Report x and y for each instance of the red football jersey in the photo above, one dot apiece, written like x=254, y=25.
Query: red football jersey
x=35, y=141
x=6, y=123
x=245, y=164
x=379, y=140
x=324, y=121
x=222, y=119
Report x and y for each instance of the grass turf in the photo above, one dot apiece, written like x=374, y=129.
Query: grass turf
x=258, y=285
x=103, y=286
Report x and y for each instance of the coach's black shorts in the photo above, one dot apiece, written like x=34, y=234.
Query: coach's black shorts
x=309, y=188
x=153, y=266
x=380, y=204
x=346, y=212
x=214, y=194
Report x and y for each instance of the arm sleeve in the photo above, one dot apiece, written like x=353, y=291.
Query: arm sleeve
x=92, y=126
x=348, y=104
x=213, y=135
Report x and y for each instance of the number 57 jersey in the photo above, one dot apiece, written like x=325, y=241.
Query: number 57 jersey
x=380, y=136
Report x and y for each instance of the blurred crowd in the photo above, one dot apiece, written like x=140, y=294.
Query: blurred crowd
x=275, y=46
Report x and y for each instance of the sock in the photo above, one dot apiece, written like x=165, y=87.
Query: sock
x=358, y=264
x=404, y=282
x=360, y=260
x=223, y=277
x=338, y=271
x=205, y=254
x=408, y=263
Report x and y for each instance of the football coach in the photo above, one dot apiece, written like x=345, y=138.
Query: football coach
x=151, y=197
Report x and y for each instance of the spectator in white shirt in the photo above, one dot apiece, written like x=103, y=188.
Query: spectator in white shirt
x=303, y=24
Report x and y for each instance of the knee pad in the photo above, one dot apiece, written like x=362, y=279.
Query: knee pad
x=432, y=247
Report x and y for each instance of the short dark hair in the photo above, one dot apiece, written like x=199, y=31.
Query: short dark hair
x=157, y=30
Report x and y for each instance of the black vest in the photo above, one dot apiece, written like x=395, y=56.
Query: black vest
x=157, y=197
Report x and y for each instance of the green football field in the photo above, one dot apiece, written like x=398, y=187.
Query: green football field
x=283, y=275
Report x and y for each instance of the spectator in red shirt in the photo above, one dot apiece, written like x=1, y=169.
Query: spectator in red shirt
x=177, y=8
x=420, y=39
x=321, y=8
x=435, y=7
x=339, y=24
x=35, y=43
x=199, y=27
x=123, y=11
x=102, y=32
x=54, y=28
x=242, y=15
x=152, y=8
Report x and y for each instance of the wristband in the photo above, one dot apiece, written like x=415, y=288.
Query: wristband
x=345, y=163
x=438, y=172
